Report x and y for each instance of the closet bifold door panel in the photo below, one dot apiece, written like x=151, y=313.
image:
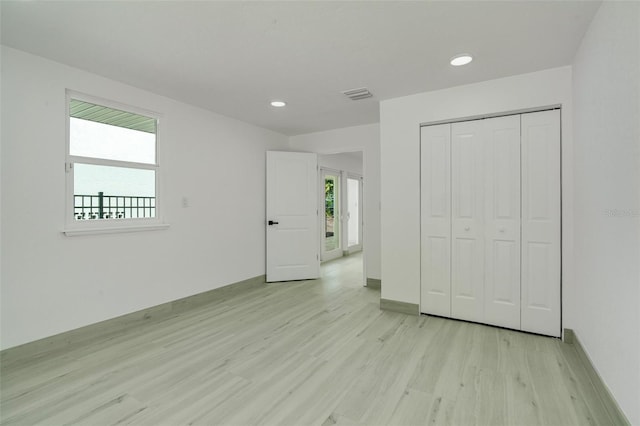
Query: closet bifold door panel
x=467, y=221
x=490, y=221
x=435, y=200
x=502, y=221
x=541, y=255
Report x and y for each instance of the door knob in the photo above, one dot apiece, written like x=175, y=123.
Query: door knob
x=271, y=222
x=501, y=229
x=466, y=228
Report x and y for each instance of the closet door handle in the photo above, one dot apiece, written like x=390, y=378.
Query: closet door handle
x=502, y=229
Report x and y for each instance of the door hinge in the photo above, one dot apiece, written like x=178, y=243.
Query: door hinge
x=68, y=167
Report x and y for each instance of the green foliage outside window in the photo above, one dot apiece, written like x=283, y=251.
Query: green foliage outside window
x=329, y=197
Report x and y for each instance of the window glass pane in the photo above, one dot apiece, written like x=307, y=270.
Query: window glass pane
x=115, y=117
x=353, y=195
x=100, y=140
x=331, y=216
x=106, y=192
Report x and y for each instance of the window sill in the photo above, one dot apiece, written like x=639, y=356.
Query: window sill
x=114, y=229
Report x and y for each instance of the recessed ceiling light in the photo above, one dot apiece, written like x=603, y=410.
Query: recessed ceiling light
x=462, y=59
x=278, y=104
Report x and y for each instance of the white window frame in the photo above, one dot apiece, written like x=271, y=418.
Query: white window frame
x=75, y=227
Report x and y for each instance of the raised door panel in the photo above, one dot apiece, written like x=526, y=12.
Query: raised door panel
x=502, y=221
x=292, y=237
x=467, y=227
x=435, y=280
x=541, y=251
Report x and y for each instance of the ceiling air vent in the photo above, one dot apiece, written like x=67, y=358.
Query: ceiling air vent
x=357, y=94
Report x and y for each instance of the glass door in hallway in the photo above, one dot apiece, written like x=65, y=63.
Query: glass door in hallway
x=354, y=213
x=331, y=247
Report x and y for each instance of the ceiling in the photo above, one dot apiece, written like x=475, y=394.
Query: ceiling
x=234, y=57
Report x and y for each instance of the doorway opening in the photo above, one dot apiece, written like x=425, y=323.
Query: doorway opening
x=341, y=204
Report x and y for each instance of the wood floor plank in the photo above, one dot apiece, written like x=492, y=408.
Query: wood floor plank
x=318, y=398
x=592, y=408
x=546, y=376
x=416, y=408
x=317, y=352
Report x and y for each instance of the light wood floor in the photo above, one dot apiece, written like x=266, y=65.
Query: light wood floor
x=314, y=352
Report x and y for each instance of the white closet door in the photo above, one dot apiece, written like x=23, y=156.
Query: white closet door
x=502, y=221
x=467, y=228
x=541, y=222
x=435, y=153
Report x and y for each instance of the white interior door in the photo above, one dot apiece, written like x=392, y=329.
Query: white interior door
x=435, y=208
x=467, y=222
x=541, y=255
x=292, y=236
x=502, y=221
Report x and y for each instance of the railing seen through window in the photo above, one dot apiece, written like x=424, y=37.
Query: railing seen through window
x=112, y=166
x=101, y=206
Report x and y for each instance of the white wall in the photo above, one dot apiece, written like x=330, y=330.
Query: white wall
x=358, y=138
x=400, y=120
x=606, y=303
x=347, y=162
x=52, y=283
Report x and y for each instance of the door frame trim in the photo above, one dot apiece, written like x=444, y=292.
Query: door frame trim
x=494, y=115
